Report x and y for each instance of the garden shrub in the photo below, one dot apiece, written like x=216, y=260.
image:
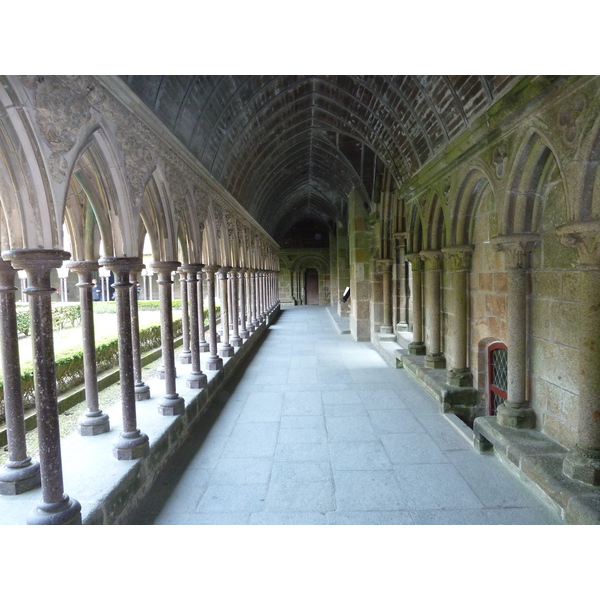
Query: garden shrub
x=69, y=363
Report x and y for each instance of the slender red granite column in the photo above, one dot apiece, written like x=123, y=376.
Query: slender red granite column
x=132, y=443
x=172, y=403
x=94, y=421
x=185, y=356
x=236, y=339
x=214, y=361
x=244, y=334
x=56, y=507
x=142, y=391
x=204, y=346
x=226, y=348
x=20, y=474
x=196, y=378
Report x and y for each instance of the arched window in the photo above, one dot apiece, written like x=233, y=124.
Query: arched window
x=497, y=375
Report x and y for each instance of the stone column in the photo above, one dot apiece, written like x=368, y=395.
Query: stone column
x=56, y=507
x=582, y=462
x=386, y=270
x=94, y=421
x=242, y=303
x=226, y=348
x=255, y=311
x=185, y=356
x=249, y=301
x=172, y=403
x=417, y=346
x=432, y=273
x=132, y=443
x=142, y=391
x=458, y=263
x=214, y=361
x=515, y=411
x=400, y=284
x=203, y=344
x=20, y=474
x=196, y=379
x=236, y=338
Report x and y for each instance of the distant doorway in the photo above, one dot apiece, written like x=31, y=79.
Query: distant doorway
x=312, y=286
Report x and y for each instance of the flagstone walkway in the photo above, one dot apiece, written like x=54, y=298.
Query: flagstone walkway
x=321, y=430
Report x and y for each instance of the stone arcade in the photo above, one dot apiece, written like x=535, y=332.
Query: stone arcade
x=461, y=211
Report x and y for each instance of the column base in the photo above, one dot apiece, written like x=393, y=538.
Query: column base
x=131, y=445
x=196, y=381
x=227, y=351
x=515, y=416
x=171, y=406
x=93, y=423
x=244, y=334
x=435, y=361
x=20, y=478
x=204, y=346
x=385, y=329
x=160, y=371
x=250, y=327
x=583, y=466
x=459, y=378
x=142, y=392
x=401, y=327
x=236, y=342
x=417, y=348
x=214, y=363
x=65, y=512
x=185, y=357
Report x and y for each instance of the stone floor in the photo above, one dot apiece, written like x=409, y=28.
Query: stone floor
x=319, y=429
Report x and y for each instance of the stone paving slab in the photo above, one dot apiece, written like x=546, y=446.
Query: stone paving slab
x=359, y=443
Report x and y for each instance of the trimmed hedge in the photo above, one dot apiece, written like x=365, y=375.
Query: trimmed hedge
x=111, y=306
x=69, y=363
x=63, y=315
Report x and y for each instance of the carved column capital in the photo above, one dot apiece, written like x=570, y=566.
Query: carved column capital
x=165, y=268
x=384, y=265
x=458, y=258
x=516, y=248
x=400, y=238
x=432, y=259
x=415, y=260
x=585, y=236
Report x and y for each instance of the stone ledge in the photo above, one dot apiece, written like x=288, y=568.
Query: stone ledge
x=342, y=324
x=462, y=401
x=110, y=490
x=537, y=460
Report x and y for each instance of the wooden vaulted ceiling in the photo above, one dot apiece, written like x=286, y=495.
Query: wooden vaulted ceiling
x=290, y=148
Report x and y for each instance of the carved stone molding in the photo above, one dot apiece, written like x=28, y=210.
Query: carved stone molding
x=585, y=236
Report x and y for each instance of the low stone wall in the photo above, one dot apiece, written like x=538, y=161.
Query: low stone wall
x=109, y=490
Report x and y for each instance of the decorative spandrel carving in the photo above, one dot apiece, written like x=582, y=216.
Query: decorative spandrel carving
x=201, y=203
x=59, y=167
x=500, y=158
x=568, y=116
x=585, y=237
x=177, y=187
x=59, y=111
x=139, y=163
